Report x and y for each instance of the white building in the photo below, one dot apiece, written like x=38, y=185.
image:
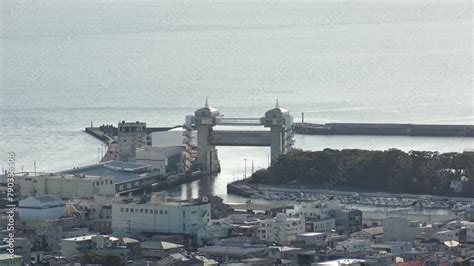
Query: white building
x=317, y=210
x=312, y=238
x=469, y=231
x=341, y=262
x=161, y=217
x=320, y=225
x=41, y=208
x=281, y=229
x=395, y=248
x=161, y=159
x=78, y=245
x=182, y=137
x=400, y=229
x=446, y=235
x=10, y=260
x=318, y=215
x=173, y=137
x=353, y=245
x=65, y=186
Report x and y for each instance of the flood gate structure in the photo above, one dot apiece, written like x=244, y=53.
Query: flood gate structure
x=279, y=136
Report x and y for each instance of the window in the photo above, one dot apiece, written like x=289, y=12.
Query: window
x=166, y=212
x=126, y=209
x=161, y=211
x=141, y=210
x=156, y=211
x=121, y=209
x=146, y=210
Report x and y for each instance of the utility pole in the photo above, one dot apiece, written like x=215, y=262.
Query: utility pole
x=128, y=225
x=245, y=167
x=210, y=163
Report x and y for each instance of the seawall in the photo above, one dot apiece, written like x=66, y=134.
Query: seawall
x=385, y=129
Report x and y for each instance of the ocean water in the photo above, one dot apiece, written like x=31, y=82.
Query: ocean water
x=67, y=63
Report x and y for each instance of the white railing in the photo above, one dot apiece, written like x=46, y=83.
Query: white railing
x=239, y=121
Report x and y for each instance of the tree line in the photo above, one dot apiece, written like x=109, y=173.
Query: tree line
x=417, y=172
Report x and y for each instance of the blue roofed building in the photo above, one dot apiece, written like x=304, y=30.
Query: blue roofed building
x=128, y=176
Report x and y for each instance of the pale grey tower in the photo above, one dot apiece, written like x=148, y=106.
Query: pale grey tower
x=280, y=123
x=205, y=120
x=131, y=135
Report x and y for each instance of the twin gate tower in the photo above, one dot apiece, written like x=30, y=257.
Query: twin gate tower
x=279, y=137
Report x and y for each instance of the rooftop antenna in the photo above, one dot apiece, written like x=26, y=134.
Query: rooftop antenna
x=207, y=103
x=277, y=104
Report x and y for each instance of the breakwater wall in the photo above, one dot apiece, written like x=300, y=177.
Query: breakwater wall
x=106, y=133
x=99, y=134
x=241, y=188
x=385, y=129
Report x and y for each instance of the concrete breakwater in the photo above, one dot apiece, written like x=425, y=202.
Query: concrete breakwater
x=241, y=188
x=106, y=133
x=385, y=129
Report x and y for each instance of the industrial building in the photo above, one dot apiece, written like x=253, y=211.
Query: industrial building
x=65, y=186
x=223, y=254
x=157, y=216
x=127, y=176
x=164, y=160
x=41, y=208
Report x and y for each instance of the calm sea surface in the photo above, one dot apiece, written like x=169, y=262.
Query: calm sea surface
x=65, y=63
